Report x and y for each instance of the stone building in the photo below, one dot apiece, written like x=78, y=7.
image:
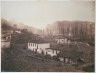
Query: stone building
x=5, y=40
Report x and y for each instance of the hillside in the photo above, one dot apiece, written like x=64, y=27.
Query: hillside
x=78, y=29
x=16, y=59
x=5, y=25
x=79, y=50
x=9, y=25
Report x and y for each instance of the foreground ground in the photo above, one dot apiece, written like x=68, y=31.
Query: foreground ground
x=19, y=59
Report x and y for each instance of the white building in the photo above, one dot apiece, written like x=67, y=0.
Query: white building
x=62, y=40
x=51, y=52
x=35, y=46
x=42, y=48
x=66, y=60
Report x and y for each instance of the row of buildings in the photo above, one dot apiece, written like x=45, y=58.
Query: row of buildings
x=36, y=44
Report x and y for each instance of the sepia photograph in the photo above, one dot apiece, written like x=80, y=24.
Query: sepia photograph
x=48, y=36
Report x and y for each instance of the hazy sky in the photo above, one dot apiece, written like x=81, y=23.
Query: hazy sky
x=39, y=14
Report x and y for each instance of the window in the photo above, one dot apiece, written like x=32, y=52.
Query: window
x=29, y=44
x=4, y=38
x=8, y=37
x=53, y=51
x=36, y=50
x=33, y=44
x=42, y=52
x=46, y=53
x=56, y=52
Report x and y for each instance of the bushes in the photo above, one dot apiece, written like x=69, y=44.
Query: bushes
x=89, y=68
x=47, y=56
x=55, y=58
x=91, y=43
x=8, y=63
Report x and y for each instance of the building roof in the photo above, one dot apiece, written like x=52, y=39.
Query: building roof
x=75, y=39
x=71, y=54
x=61, y=37
x=37, y=40
x=52, y=49
x=7, y=34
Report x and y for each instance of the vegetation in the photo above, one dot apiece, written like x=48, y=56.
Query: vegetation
x=18, y=60
x=91, y=43
x=83, y=30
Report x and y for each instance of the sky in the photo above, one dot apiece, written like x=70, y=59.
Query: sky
x=39, y=14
